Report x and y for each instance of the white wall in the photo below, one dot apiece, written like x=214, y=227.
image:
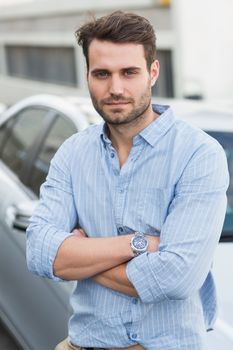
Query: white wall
x=13, y=2
x=204, y=32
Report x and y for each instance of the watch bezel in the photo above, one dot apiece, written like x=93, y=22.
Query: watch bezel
x=137, y=251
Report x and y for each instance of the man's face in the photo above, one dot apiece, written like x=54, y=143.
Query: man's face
x=119, y=81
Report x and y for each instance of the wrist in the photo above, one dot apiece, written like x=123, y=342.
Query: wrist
x=127, y=243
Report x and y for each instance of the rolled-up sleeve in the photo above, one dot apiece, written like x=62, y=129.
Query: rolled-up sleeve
x=190, y=232
x=55, y=216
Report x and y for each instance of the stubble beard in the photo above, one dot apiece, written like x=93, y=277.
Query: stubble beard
x=118, y=116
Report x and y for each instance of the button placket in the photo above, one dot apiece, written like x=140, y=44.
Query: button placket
x=123, y=180
x=134, y=336
x=135, y=311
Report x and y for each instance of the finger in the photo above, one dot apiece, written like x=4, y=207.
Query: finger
x=77, y=232
x=83, y=233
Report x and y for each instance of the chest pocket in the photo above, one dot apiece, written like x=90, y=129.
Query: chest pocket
x=153, y=208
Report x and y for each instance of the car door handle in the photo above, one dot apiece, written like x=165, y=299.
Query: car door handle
x=18, y=216
x=15, y=220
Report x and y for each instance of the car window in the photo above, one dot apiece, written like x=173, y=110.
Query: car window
x=60, y=131
x=21, y=138
x=226, y=140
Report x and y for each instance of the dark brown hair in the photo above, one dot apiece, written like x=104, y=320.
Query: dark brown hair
x=119, y=27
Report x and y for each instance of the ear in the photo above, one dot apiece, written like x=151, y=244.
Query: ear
x=154, y=72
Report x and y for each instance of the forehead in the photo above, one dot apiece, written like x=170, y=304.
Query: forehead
x=109, y=55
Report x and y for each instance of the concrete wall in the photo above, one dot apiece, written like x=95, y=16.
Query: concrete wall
x=199, y=33
x=53, y=23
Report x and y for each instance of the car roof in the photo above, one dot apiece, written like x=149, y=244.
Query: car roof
x=209, y=116
x=53, y=102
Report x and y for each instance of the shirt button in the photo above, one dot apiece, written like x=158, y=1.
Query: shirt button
x=134, y=336
x=135, y=301
x=112, y=155
x=121, y=190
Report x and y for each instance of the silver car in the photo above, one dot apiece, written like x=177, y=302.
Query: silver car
x=35, y=309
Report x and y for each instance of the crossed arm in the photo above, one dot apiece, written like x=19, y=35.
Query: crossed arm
x=103, y=259
x=189, y=235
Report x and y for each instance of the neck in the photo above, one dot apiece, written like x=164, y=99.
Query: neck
x=122, y=135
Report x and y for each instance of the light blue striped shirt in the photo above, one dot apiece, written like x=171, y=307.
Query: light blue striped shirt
x=173, y=185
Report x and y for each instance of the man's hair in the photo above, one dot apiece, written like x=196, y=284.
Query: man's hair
x=119, y=27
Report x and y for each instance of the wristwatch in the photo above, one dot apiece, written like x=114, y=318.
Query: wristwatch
x=139, y=243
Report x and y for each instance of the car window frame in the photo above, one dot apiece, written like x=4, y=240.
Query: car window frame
x=226, y=236
x=54, y=115
x=10, y=123
x=50, y=115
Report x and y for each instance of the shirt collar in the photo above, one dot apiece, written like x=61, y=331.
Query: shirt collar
x=152, y=132
x=159, y=126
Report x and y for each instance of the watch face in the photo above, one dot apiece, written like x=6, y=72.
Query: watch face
x=140, y=243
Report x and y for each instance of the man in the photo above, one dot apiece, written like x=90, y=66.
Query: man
x=114, y=189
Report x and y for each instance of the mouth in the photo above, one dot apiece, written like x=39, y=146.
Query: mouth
x=118, y=103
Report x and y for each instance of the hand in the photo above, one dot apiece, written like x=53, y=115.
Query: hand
x=79, y=232
x=153, y=243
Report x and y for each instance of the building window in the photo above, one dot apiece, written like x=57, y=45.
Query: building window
x=164, y=85
x=48, y=64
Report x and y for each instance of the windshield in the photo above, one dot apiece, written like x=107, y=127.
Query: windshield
x=226, y=140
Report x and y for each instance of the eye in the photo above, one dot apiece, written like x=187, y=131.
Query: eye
x=130, y=72
x=101, y=74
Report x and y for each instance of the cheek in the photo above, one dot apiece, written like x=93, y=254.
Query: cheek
x=97, y=89
x=139, y=88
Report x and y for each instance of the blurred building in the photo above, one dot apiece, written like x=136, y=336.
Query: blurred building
x=38, y=52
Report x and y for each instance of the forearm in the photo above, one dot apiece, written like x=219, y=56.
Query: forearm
x=84, y=257
x=117, y=280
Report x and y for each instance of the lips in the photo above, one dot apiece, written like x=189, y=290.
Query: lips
x=117, y=103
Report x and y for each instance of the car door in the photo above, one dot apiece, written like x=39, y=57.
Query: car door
x=222, y=336
x=35, y=309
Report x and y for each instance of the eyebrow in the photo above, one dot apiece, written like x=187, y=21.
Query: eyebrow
x=133, y=68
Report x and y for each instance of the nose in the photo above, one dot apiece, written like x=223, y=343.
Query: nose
x=116, y=85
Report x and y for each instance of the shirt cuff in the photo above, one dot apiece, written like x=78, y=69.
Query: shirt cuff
x=141, y=275
x=50, y=250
